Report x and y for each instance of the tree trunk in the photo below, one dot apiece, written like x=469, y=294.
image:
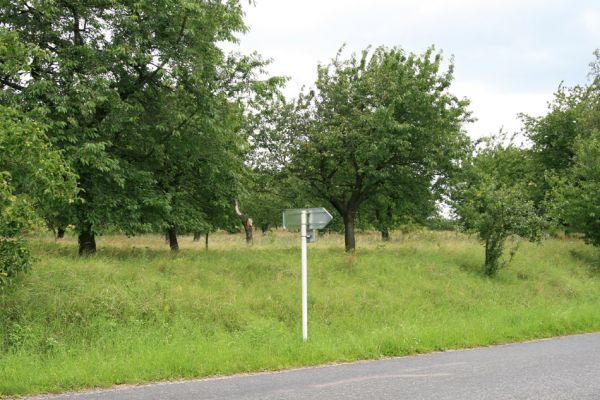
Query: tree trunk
x=172, y=234
x=249, y=229
x=494, y=246
x=379, y=224
x=487, y=252
x=197, y=236
x=246, y=222
x=60, y=232
x=206, y=240
x=349, y=240
x=87, y=242
x=385, y=235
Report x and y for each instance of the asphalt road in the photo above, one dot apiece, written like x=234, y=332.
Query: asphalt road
x=562, y=368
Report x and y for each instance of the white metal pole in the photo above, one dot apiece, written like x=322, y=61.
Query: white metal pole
x=303, y=223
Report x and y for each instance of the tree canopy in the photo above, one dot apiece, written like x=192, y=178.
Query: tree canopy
x=379, y=123
x=32, y=173
x=574, y=197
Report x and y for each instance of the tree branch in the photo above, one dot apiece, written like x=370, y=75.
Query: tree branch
x=145, y=78
x=4, y=81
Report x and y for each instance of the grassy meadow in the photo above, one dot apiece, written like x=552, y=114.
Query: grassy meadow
x=136, y=313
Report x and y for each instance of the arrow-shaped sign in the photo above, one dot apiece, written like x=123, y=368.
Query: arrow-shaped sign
x=318, y=218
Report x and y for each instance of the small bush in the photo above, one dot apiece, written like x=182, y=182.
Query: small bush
x=14, y=258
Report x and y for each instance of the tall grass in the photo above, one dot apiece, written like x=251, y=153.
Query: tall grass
x=136, y=313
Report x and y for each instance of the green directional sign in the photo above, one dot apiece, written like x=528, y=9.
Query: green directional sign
x=317, y=218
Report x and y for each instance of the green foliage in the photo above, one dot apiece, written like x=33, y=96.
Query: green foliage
x=573, y=115
x=32, y=173
x=399, y=204
x=14, y=259
x=565, y=150
x=576, y=196
x=493, y=199
x=377, y=126
x=553, y=135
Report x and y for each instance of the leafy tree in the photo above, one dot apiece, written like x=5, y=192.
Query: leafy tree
x=575, y=193
x=553, y=137
x=576, y=196
x=492, y=198
x=107, y=67
x=32, y=173
x=198, y=154
x=573, y=114
x=382, y=119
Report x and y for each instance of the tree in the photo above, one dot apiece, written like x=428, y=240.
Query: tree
x=197, y=169
x=553, y=138
x=32, y=173
x=576, y=196
x=492, y=198
x=107, y=64
x=565, y=150
x=373, y=121
x=573, y=114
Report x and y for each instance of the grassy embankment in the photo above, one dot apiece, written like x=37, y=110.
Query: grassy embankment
x=134, y=313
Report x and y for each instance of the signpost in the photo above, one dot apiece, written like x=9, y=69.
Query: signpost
x=305, y=219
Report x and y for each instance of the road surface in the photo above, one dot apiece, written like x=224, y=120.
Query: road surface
x=561, y=368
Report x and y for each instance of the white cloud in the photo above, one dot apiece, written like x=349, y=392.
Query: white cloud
x=496, y=109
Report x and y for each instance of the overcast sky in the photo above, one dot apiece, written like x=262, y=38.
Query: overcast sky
x=510, y=55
